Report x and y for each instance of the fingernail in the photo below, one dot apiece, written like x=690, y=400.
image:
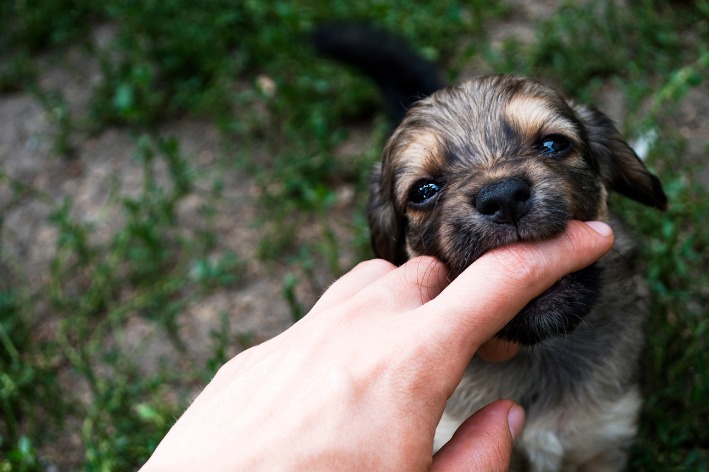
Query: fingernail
x=600, y=227
x=515, y=418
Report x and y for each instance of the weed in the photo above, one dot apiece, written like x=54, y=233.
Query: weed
x=17, y=72
x=290, y=282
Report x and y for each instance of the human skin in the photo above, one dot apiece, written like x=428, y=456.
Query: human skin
x=361, y=381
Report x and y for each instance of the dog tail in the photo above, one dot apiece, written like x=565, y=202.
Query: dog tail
x=402, y=75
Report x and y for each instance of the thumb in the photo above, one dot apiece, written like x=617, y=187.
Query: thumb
x=484, y=441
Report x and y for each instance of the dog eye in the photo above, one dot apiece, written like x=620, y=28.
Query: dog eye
x=555, y=145
x=424, y=192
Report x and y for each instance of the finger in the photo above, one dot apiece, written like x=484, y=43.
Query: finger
x=413, y=284
x=484, y=441
x=352, y=283
x=490, y=292
x=497, y=350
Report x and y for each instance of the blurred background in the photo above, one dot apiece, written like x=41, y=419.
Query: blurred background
x=180, y=180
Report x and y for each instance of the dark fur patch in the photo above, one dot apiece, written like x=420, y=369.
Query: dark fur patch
x=555, y=315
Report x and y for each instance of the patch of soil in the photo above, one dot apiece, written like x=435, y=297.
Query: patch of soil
x=105, y=164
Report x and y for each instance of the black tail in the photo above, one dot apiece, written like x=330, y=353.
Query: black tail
x=402, y=75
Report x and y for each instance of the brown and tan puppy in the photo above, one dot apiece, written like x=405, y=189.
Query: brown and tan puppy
x=501, y=159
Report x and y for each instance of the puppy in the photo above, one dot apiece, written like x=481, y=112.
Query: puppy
x=501, y=159
x=493, y=161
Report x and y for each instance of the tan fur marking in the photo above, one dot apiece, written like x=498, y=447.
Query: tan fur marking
x=498, y=173
x=533, y=114
x=421, y=146
x=416, y=160
x=410, y=252
x=603, y=212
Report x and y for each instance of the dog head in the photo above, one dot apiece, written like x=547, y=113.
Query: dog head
x=496, y=160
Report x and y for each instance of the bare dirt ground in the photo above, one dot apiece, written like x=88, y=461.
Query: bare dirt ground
x=102, y=165
x=106, y=162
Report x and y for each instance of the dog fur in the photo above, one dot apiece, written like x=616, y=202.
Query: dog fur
x=576, y=373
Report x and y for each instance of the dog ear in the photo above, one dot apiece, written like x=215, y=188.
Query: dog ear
x=386, y=228
x=621, y=169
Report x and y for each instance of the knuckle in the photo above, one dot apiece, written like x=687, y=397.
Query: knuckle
x=375, y=265
x=424, y=270
x=520, y=263
x=422, y=261
x=383, y=292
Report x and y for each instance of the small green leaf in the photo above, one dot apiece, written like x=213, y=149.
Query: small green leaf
x=123, y=99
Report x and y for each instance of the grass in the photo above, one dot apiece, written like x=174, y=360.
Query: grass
x=212, y=60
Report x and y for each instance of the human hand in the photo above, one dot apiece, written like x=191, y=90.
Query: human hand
x=361, y=382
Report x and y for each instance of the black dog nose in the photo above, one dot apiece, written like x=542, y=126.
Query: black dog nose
x=504, y=202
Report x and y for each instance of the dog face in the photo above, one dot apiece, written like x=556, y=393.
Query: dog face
x=496, y=160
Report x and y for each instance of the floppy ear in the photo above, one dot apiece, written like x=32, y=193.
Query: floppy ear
x=385, y=226
x=621, y=169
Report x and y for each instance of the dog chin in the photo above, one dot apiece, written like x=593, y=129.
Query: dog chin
x=557, y=311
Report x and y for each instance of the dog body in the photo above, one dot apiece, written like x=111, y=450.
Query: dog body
x=502, y=159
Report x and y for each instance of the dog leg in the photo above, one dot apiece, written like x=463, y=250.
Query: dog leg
x=543, y=448
x=592, y=438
